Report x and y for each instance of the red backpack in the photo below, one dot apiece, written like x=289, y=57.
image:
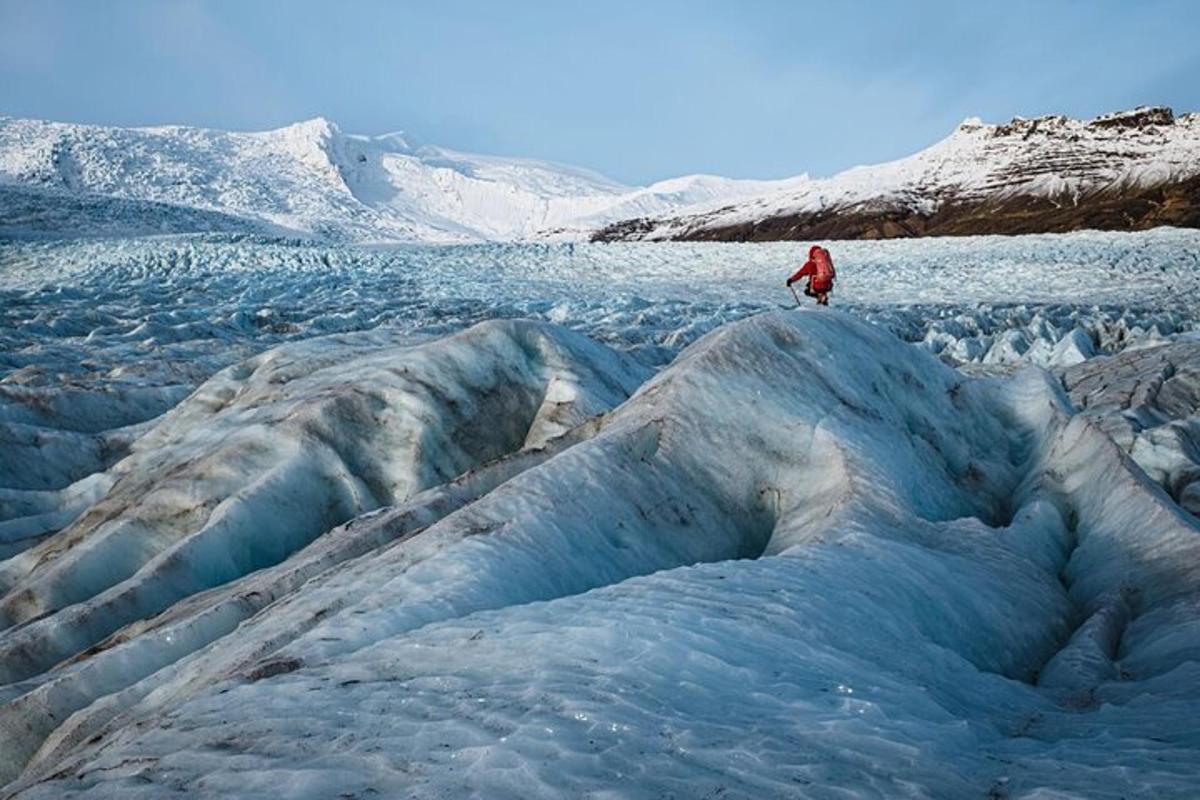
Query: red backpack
x=824, y=264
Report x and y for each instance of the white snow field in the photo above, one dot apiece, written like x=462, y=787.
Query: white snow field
x=311, y=179
x=280, y=520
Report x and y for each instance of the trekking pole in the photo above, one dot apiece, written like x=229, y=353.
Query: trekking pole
x=793, y=288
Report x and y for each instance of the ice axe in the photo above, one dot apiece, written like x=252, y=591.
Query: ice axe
x=793, y=288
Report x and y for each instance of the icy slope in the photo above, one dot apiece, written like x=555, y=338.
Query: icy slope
x=31, y=212
x=920, y=583
x=307, y=179
x=329, y=429
x=1123, y=171
x=1148, y=402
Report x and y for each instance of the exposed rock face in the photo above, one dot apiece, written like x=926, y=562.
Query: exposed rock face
x=1127, y=171
x=1175, y=204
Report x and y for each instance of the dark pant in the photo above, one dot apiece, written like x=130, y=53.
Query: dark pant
x=822, y=296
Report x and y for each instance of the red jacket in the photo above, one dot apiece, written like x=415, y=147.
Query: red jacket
x=819, y=270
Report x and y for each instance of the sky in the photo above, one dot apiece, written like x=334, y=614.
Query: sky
x=639, y=91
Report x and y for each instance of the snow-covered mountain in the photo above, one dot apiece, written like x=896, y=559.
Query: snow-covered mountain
x=309, y=179
x=1126, y=171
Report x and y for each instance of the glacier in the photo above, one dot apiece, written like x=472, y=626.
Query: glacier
x=281, y=519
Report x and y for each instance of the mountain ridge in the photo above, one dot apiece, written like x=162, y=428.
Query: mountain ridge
x=1128, y=170
x=1124, y=171
x=311, y=179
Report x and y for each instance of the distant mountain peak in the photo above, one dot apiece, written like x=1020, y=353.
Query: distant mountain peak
x=318, y=124
x=309, y=178
x=1139, y=117
x=1126, y=170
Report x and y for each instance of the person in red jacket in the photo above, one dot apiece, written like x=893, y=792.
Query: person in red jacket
x=820, y=273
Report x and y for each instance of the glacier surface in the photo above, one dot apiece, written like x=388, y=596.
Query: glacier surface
x=288, y=520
